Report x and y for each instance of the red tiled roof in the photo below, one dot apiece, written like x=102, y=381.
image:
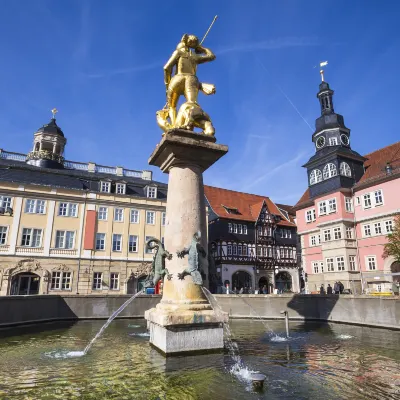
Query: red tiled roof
x=374, y=167
x=248, y=205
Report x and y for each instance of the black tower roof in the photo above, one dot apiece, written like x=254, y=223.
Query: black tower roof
x=51, y=127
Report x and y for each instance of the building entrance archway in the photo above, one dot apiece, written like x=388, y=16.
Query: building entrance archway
x=241, y=280
x=395, y=269
x=263, y=281
x=25, y=283
x=283, y=282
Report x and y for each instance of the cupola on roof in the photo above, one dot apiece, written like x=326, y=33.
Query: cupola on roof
x=52, y=128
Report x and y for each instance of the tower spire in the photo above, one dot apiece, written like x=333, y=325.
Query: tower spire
x=322, y=64
x=54, y=111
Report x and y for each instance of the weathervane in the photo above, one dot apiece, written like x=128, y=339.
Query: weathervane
x=54, y=111
x=322, y=64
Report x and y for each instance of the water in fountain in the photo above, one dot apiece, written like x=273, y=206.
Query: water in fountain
x=238, y=369
x=112, y=317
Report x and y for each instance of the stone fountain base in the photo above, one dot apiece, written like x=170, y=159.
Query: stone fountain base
x=185, y=331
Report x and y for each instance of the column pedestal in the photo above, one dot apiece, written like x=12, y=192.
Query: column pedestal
x=184, y=320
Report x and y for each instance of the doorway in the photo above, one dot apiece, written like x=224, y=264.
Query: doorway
x=25, y=284
x=283, y=282
x=241, y=280
x=263, y=281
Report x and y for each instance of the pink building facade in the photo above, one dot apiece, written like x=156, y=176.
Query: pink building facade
x=346, y=213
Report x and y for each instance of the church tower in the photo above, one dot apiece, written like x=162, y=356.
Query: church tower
x=48, y=146
x=334, y=165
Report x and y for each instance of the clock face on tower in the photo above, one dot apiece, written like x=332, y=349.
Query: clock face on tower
x=320, y=142
x=344, y=139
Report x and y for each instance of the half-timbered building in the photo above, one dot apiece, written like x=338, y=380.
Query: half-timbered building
x=252, y=241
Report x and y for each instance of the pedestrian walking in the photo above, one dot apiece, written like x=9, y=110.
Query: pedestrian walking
x=329, y=289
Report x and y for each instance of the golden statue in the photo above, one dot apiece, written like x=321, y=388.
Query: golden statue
x=186, y=83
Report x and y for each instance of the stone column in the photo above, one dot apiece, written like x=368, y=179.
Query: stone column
x=184, y=320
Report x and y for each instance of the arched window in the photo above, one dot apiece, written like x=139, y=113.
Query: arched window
x=329, y=171
x=345, y=169
x=315, y=176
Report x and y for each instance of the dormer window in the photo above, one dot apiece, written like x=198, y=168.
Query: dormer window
x=151, y=192
x=105, y=187
x=231, y=210
x=120, y=188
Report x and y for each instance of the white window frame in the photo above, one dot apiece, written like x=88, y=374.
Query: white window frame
x=97, y=283
x=369, y=260
x=345, y=169
x=378, y=193
x=229, y=250
x=322, y=208
x=244, y=229
x=315, y=267
x=105, y=187
x=332, y=205
x=153, y=219
x=315, y=176
x=151, y=192
x=100, y=241
x=120, y=188
x=114, y=236
x=388, y=223
x=367, y=200
x=352, y=263
x=133, y=241
x=163, y=218
x=230, y=228
x=146, y=250
x=366, y=230
x=133, y=215
x=62, y=242
x=337, y=233
x=6, y=203
x=330, y=264
x=348, y=202
x=114, y=278
x=31, y=235
x=3, y=235
x=67, y=209
x=333, y=141
x=118, y=214
x=329, y=171
x=378, y=231
x=340, y=263
x=102, y=213
x=349, y=232
x=59, y=280
x=38, y=206
x=325, y=235
x=321, y=266
x=235, y=228
x=313, y=240
x=310, y=215
x=240, y=229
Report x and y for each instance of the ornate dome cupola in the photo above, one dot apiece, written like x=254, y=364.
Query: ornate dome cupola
x=48, y=146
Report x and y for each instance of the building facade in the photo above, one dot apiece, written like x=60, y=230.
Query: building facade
x=347, y=211
x=72, y=227
x=252, y=241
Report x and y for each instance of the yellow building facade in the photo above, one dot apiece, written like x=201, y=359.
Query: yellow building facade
x=69, y=227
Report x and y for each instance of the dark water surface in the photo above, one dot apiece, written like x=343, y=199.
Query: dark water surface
x=319, y=362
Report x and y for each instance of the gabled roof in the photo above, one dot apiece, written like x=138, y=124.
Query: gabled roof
x=375, y=168
x=248, y=205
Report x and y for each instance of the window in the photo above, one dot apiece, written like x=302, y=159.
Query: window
x=333, y=141
x=389, y=226
x=310, y=215
x=133, y=244
x=244, y=229
x=234, y=250
x=345, y=169
x=329, y=171
x=378, y=228
x=367, y=200
x=134, y=216
x=358, y=200
x=340, y=263
x=31, y=237
x=321, y=266
x=367, y=230
x=100, y=241
x=114, y=281
x=117, y=242
x=322, y=208
x=315, y=267
x=337, y=232
x=327, y=235
x=229, y=249
x=146, y=249
x=239, y=250
x=378, y=197
x=61, y=280
x=120, y=188
x=35, y=206
x=348, y=204
x=234, y=228
x=230, y=229
x=103, y=213
x=349, y=232
x=97, y=281
x=315, y=176
x=150, y=217
x=151, y=192
x=5, y=202
x=163, y=218
x=240, y=229
x=68, y=210
x=371, y=263
x=332, y=205
x=65, y=239
x=352, y=263
x=105, y=187
x=3, y=234
x=313, y=240
x=118, y=214
x=329, y=264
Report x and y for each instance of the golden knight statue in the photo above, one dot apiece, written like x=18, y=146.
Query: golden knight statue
x=186, y=83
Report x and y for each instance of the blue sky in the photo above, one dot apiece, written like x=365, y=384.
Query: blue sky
x=100, y=63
